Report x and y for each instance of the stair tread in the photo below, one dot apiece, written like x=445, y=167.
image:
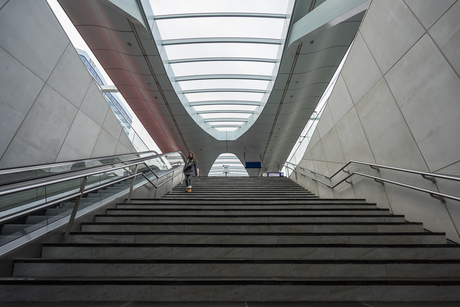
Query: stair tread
x=231, y=281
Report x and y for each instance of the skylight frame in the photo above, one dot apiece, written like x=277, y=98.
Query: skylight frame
x=203, y=95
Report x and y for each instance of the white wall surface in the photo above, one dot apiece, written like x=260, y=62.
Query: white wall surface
x=397, y=103
x=50, y=108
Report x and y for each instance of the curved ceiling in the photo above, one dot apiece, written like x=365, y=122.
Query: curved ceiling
x=120, y=36
x=222, y=57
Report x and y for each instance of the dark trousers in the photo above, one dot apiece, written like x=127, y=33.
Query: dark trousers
x=188, y=180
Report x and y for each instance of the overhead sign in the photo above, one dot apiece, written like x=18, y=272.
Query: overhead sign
x=253, y=165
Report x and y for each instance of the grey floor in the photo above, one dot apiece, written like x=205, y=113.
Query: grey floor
x=228, y=304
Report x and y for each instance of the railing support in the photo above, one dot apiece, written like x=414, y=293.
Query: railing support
x=430, y=178
x=442, y=199
x=132, y=183
x=75, y=209
x=172, y=183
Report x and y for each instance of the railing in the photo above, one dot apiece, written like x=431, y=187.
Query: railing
x=52, y=192
x=428, y=176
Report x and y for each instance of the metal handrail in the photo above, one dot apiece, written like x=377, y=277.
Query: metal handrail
x=62, y=177
x=7, y=171
x=425, y=175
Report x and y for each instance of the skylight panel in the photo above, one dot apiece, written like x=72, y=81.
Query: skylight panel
x=224, y=96
x=229, y=67
x=224, y=83
x=183, y=28
x=225, y=115
x=205, y=6
x=207, y=50
x=225, y=108
x=226, y=128
x=223, y=123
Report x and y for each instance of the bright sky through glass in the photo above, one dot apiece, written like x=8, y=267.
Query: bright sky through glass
x=222, y=51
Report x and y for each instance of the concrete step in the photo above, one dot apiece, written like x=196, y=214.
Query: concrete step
x=204, y=268
x=187, y=196
x=249, y=218
x=123, y=251
x=258, y=238
x=253, y=227
x=250, y=201
x=244, y=206
x=228, y=290
x=231, y=212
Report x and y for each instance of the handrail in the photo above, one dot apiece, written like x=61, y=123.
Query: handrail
x=6, y=171
x=425, y=175
x=64, y=176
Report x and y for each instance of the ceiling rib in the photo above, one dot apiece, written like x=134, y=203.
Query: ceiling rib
x=225, y=119
x=220, y=40
x=223, y=76
x=223, y=59
x=225, y=111
x=221, y=90
x=226, y=125
x=207, y=15
x=225, y=102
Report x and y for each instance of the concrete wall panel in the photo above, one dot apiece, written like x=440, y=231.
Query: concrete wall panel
x=326, y=123
x=121, y=149
x=315, y=138
x=94, y=105
x=340, y=101
x=112, y=125
x=353, y=139
x=360, y=72
x=371, y=191
x=123, y=139
x=105, y=145
x=429, y=11
x=446, y=34
x=317, y=153
x=81, y=138
x=383, y=20
x=389, y=137
x=28, y=31
x=15, y=101
x=431, y=114
x=70, y=77
x=417, y=207
x=332, y=148
x=43, y=132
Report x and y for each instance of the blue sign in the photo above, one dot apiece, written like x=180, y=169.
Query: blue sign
x=253, y=165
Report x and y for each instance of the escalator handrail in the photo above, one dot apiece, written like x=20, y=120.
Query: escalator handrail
x=6, y=171
x=28, y=184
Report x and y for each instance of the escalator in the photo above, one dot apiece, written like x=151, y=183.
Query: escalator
x=35, y=200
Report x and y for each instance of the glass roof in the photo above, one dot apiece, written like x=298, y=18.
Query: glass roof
x=232, y=164
x=222, y=56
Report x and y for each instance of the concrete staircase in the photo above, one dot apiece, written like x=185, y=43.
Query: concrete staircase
x=242, y=239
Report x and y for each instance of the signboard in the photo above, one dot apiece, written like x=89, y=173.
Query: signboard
x=275, y=174
x=253, y=165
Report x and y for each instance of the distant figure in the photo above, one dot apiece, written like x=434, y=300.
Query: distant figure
x=189, y=171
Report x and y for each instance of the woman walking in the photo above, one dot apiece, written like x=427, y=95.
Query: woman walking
x=189, y=171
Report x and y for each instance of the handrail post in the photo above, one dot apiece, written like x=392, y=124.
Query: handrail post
x=75, y=209
x=132, y=183
x=172, y=182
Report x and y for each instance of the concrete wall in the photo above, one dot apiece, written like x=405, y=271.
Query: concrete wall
x=397, y=103
x=50, y=108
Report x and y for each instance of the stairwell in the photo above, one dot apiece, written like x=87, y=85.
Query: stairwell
x=242, y=239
